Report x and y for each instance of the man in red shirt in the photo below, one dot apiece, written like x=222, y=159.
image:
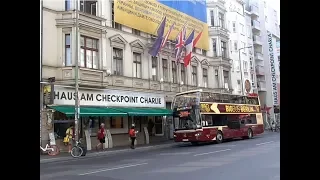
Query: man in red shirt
x=101, y=136
x=132, y=135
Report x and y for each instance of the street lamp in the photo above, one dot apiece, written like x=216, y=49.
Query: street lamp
x=241, y=69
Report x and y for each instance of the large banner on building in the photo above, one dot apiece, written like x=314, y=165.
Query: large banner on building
x=273, y=70
x=146, y=16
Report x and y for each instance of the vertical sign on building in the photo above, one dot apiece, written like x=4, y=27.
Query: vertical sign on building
x=274, y=84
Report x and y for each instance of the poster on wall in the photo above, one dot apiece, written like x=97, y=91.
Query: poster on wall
x=146, y=16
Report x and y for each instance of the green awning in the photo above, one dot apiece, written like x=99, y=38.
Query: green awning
x=145, y=111
x=89, y=111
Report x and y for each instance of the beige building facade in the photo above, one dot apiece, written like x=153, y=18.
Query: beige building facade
x=115, y=57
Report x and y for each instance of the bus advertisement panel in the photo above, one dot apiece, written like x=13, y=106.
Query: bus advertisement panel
x=204, y=116
x=146, y=16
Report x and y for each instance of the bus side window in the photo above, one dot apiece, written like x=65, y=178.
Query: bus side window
x=253, y=119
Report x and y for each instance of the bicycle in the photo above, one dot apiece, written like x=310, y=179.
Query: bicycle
x=77, y=150
x=52, y=150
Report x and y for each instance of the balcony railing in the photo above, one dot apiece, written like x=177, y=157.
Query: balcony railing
x=261, y=86
x=254, y=10
x=260, y=70
x=257, y=40
x=258, y=56
x=255, y=25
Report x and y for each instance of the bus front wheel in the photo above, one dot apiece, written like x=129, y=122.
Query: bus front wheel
x=219, y=137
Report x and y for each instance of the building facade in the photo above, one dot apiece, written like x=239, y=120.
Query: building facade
x=266, y=34
x=241, y=47
x=114, y=57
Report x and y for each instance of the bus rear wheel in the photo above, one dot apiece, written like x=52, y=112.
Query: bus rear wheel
x=219, y=137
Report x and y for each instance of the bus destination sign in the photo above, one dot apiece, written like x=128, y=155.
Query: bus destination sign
x=228, y=108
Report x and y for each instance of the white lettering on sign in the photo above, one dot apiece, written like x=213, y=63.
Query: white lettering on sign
x=110, y=98
x=273, y=71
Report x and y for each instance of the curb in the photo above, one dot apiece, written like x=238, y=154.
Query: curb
x=97, y=154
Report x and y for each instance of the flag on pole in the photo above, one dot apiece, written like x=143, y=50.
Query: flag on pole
x=157, y=44
x=165, y=39
x=197, y=39
x=189, y=47
x=180, y=43
x=194, y=43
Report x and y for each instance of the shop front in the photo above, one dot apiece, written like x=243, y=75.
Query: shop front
x=117, y=109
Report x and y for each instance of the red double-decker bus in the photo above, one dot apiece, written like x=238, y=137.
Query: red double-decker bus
x=205, y=116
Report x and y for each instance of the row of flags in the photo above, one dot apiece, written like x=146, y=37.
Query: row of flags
x=181, y=42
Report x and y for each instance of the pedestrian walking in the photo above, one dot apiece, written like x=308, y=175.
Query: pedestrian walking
x=101, y=137
x=133, y=136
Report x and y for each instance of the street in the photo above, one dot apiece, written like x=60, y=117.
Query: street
x=254, y=159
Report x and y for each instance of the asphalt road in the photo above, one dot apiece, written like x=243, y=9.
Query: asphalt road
x=257, y=158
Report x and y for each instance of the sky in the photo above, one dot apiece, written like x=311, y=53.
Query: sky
x=276, y=5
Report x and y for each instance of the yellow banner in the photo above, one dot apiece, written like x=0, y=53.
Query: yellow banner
x=146, y=16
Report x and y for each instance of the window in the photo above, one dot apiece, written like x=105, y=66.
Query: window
x=249, y=31
x=205, y=77
x=68, y=61
x=114, y=24
x=165, y=70
x=117, y=61
x=183, y=73
x=204, y=52
x=194, y=76
x=238, y=85
x=243, y=45
x=89, y=52
x=223, y=49
x=245, y=66
x=252, y=79
x=235, y=44
x=242, y=29
x=236, y=63
x=212, y=17
x=154, y=68
x=221, y=20
x=266, y=18
x=67, y=5
x=250, y=49
x=135, y=32
x=265, y=4
x=89, y=6
x=226, y=78
x=234, y=27
x=137, y=65
x=214, y=47
x=116, y=122
x=174, y=72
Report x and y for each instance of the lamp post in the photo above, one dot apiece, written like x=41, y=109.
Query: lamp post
x=77, y=102
x=41, y=50
x=241, y=68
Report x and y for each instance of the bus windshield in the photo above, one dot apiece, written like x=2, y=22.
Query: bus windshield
x=186, y=100
x=186, y=111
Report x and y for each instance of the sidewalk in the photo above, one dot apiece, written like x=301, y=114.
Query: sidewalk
x=93, y=153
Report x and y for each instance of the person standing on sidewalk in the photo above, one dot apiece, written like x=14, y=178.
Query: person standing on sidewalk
x=133, y=136
x=70, y=136
x=101, y=136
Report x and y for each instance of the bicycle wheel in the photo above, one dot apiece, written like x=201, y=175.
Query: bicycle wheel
x=55, y=151
x=76, y=151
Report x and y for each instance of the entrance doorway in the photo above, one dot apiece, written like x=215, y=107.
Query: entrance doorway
x=158, y=124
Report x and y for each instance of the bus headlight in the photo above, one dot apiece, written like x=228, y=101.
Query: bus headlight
x=198, y=134
x=174, y=135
